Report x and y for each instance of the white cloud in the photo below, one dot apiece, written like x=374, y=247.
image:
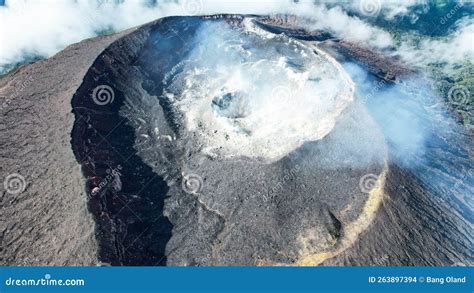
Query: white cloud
x=389, y=9
x=41, y=27
x=338, y=22
x=44, y=27
x=455, y=49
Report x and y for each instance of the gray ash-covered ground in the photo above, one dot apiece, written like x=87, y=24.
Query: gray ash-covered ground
x=150, y=193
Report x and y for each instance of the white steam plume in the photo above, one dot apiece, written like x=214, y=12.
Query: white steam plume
x=40, y=28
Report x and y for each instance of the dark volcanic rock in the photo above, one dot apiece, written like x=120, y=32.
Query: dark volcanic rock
x=48, y=223
x=289, y=27
x=381, y=66
x=245, y=211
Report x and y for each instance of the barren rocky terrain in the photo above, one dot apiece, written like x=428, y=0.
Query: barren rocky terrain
x=124, y=182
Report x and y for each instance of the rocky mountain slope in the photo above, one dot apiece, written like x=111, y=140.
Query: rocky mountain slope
x=113, y=175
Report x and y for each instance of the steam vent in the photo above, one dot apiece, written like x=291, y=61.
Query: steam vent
x=226, y=140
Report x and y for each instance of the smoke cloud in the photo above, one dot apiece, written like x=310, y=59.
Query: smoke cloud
x=40, y=28
x=404, y=112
